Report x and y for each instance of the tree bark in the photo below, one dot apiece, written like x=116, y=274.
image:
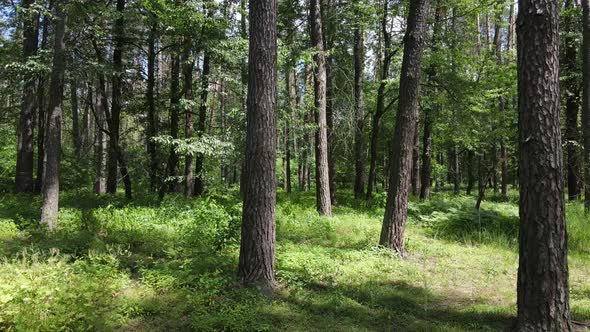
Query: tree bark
x=199, y=185
x=50, y=187
x=359, y=137
x=257, y=248
x=189, y=175
x=152, y=126
x=426, y=156
x=100, y=145
x=24, y=154
x=291, y=75
x=394, y=221
x=543, y=294
x=77, y=139
x=586, y=99
x=380, y=109
x=416, y=162
x=114, y=116
x=323, y=198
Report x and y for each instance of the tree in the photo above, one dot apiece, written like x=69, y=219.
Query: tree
x=24, y=156
x=543, y=294
x=359, y=141
x=257, y=247
x=392, y=232
x=323, y=201
x=586, y=99
x=50, y=187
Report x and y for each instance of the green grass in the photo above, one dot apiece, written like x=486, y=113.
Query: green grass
x=170, y=266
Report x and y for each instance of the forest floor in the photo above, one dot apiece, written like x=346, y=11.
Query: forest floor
x=147, y=266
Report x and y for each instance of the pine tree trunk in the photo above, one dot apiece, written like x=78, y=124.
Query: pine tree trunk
x=75, y=118
x=257, y=247
x=416, y=162
x=199, y=185
x=323, y=197
x=426, y=156
x=586, y=99
x=359, y=137
x=100, y=146
x=189, y=187
x=291, y=76
x=41, y=117
x=543, y=294
x=152, y=126
x=50, y=188
x=380, y=109
x=24, y=156
x=394, y=221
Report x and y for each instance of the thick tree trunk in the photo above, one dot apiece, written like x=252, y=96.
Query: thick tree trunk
x=359, y=137
x=323, y=198
x=199, y=185
x=257, y=248
x=394, y=221
x=24, y=154
x=50, y=188
x=586, y=100
x=380, y=109
x=152, y=126
x=41, y=107
x=329, y=29
x=189, y=175
x=173, y=168
x=543, y=294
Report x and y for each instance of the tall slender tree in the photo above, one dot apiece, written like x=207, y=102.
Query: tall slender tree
x=392, y=232
x=543, y=294
x=257, y=248
x=50, y=187
x=586, y=99
x=24, y=155
x=359, y=136
x=323, y=200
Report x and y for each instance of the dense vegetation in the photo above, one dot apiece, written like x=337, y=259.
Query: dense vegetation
x=294, y=165
x=171, y=266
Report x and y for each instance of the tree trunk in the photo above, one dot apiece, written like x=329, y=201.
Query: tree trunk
x=152, y=126
x=189, y=187
x=323, y=198
x=543, y=294
x=426, y=156
x=456, y=171
x=114, y=116
x=50, y=188
x=257, y=247
x=77, y=139
x=586, y=99
x=173, y=168
x=291, y=76
x=380, y=109
x=100, y=146
x=41, y=107
x=199, y=185
x=416, y=162
x=394, y=221
x=24, y=154
x=359, y=137
x=470, y=176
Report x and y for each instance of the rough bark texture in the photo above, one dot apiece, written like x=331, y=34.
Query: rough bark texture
x=76, y=137
x=257, y=248
x=323, y=199
x=50, y=188
x=152, y=127
x=543, y=295
x=359, y=135
x=586, y=99
x=292, y=93
x=380, y=109
x=425, y=173
x=199, y=185
x=24, y=153
x=189, y=187
x=41, y=107
x=416, y=162
x=394, y=221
